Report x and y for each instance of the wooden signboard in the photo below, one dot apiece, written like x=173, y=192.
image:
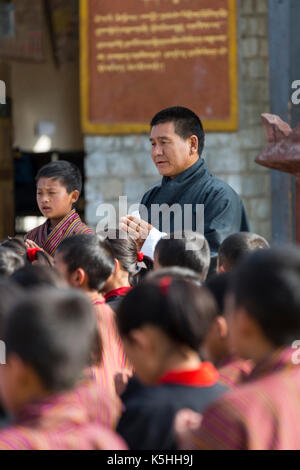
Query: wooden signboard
x=140, y=56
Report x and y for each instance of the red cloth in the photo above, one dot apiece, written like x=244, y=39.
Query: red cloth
x=120, y=291
x=31, y=254
x=205, y=375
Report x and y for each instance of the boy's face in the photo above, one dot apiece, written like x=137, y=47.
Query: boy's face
x=53, y=199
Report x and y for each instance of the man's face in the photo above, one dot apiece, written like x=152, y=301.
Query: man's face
x=170, y=153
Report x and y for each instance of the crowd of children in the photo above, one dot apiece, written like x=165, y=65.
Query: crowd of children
x=106, y=348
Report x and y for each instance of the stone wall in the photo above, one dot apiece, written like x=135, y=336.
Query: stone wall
x=121, y=165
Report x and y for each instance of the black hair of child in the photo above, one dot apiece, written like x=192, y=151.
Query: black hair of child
x=266, y=284
x=9, y=294
x=238, y=245
x=190, y=251
x=126, y=252
x=186, y=123
x=182, y=310
x=176, y=273
x=219, y=286
x=32, y=276
x=53, y=331
x=15, y=244
x=91, y=253
x=65, y=172
x=10, y=261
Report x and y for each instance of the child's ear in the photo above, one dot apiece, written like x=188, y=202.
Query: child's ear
x=78, y=277
x=222, y=326
x=74, y=196
x=117, y=266
x=220, y=268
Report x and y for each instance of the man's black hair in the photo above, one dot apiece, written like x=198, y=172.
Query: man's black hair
x=237, y=245
x=186, y=123
x=9, y=261
x=190, y=251
x=92, y=254
x=65, y=172
x=33, y=276
x=183, y=311
x=266, y=284
x=53, y=331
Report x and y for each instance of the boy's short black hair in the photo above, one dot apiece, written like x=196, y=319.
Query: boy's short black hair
x=185, y=322
x=266, y=284
x=218, y=285
x=174, y=272
x=9, y=261
x=186, y=123
x=53, y=331
x=65, y=172
x=190, y=251
x=32, y=276
x=237, y=245
x=9, y=293
x=91, y=253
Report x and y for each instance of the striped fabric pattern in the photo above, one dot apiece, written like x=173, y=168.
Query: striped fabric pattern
x=234, y=371
x=70, y=225
x=114, y=358
x=101, y=405
x=62, y=422
x=261, y=414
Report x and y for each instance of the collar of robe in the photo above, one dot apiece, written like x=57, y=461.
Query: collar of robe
x=205, y=375
x=116, y=292
x=198, y=166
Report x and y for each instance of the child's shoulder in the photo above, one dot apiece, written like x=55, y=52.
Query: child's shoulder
x=32, y=234
x=16, y=437
x=79, y=227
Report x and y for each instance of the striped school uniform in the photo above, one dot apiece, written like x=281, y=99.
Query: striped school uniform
x=60, y=422
x=114, y=358
x=101, y=405
x=261, y=414
x=49, y=240
x=234, y=371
